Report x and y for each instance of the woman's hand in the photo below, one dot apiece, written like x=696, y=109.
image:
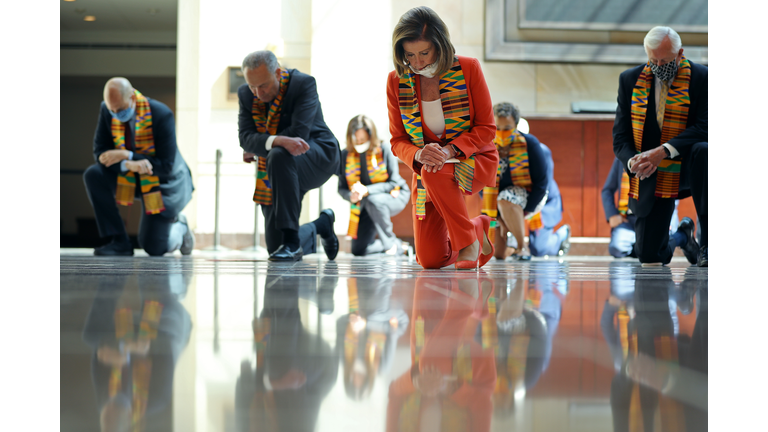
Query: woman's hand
x=432, y=157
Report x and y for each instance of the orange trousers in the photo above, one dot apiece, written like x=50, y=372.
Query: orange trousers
x=446, y=227
x=448, y=323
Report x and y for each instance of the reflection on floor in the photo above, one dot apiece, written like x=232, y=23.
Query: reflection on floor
x=231, y=342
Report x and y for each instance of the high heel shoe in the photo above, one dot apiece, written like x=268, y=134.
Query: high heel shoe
x=471, y=265
x=468, y=265
x=485, y=226
x=485, y=291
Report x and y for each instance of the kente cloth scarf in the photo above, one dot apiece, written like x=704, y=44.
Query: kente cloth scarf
x=514, y=144
x=267, y=120
x=666, y=353
x=455, y=104
x=145, y=145
x=377, y=173
x=624, y=193
x=262, y=409
x=141, y=366
x=675, y=118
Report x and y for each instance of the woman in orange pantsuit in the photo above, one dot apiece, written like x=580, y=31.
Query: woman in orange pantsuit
x=442, y=127
x=449, y=385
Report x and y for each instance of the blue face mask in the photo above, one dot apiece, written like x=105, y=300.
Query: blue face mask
x=124, y=115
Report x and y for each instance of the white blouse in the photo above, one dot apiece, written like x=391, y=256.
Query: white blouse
x=432, y=116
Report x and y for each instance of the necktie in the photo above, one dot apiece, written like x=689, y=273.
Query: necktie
x=128, y=136
x=662, y=102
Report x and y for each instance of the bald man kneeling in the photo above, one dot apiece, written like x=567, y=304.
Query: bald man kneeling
x=137, y=158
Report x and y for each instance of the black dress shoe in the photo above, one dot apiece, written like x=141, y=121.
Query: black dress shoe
x=284, y=253
x=330, y=243
x=703, y=259
x=114, y=249
x=691, y=249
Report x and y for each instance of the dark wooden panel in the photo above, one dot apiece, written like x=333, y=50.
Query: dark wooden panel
x=590, y=194
x=564, y=139
x=605, y=159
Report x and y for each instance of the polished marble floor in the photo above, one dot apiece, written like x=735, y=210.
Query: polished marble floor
x=231, y=342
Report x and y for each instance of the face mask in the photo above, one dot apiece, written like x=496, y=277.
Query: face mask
x=427, y=72
x=362, y=148
x=665, y=72
x=124, y=115
x=503, y=136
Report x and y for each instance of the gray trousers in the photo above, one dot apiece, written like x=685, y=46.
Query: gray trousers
x=376, y=213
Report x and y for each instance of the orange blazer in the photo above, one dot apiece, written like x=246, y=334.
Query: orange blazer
x=478, y=140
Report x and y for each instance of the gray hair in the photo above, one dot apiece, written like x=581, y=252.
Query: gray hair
x=506, y=109
x=656, y=36
x=120, y=84
x=258, y=58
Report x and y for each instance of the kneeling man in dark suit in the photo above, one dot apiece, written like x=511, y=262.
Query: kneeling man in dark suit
x=137, y=157
x=660, y=137
x=281, y=123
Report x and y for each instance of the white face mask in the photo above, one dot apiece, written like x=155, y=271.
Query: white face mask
x=427, y=72
x=362, y=148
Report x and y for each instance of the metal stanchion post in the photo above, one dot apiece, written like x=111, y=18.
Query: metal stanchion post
x=216, y=234
x=256, y=231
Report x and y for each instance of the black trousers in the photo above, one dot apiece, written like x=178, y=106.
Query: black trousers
x=291, y=177
x=157, y=234
x=376, y=213
x=652, y=231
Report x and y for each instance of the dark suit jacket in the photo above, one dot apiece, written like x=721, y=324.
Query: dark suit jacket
x=393, y=169
x=301, y=116
x=696, y=131
x=552, y=212
x=537, y=166
x=167, y=163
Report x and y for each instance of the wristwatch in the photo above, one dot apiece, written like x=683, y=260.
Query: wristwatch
x=456, y=150
x=666, y=150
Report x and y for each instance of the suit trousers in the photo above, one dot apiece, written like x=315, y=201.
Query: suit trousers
x=652, y=231
x=446, y=227
x=291, y=177
x=157, y=234
x=375, y=219
x=545, y=241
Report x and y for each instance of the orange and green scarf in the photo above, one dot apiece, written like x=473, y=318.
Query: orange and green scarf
x=675, y=119
x=455, y=104
x=624, y=194
x=142, y=366
x=515, y=144
x=145, y=144
x=377, y=173
x=267, y=118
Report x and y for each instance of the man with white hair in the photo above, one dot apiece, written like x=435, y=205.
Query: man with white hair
x=281, y=123
x=660, y=137
x=137, y=157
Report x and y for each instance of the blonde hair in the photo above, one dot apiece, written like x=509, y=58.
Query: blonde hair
x=422, y=23
x=361, y=122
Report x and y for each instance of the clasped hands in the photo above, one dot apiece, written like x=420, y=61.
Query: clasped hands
x=431, y=382
x=111, y=157
x=359, y=191
x=645, y=163
x=295, y=146
x=433, y=156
